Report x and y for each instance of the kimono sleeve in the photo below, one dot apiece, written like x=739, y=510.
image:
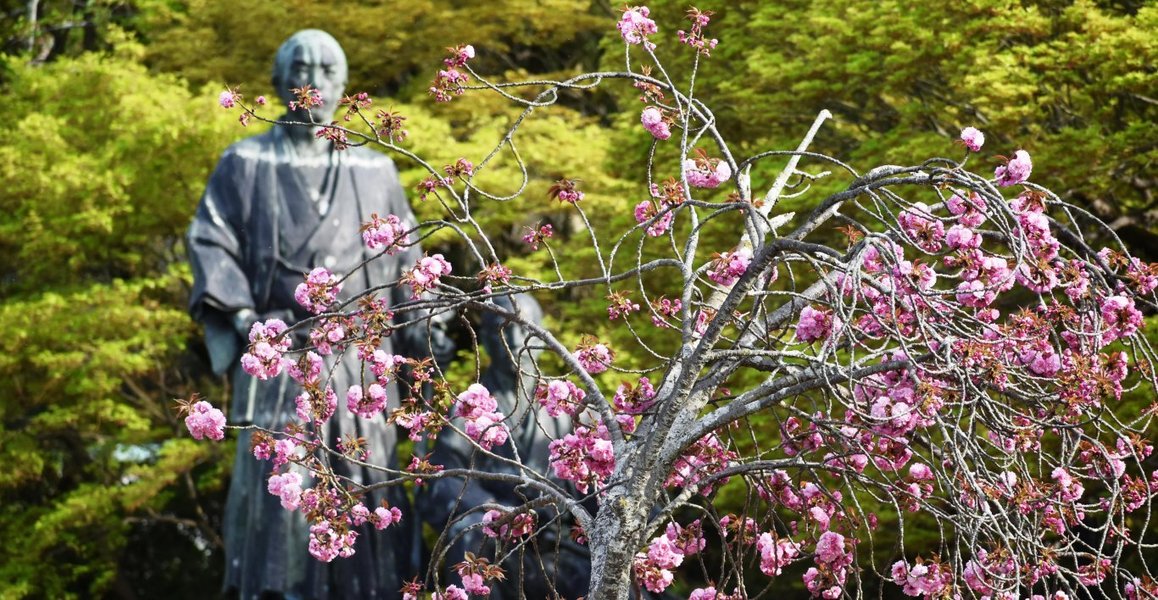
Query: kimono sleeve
x=216, y=253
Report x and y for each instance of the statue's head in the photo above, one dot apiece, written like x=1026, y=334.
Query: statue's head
x=312, y=57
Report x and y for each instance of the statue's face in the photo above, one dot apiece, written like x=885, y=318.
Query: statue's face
x=318, y=66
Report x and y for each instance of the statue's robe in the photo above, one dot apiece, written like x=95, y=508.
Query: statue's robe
x=268, y=216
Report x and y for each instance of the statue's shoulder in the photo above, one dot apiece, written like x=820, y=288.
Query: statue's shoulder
x=362, y=156
x=254, y=148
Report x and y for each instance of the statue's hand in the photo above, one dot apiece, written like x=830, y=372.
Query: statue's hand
x=243, y=321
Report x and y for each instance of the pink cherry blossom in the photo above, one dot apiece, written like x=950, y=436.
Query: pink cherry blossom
x=288, y=487
x=816, y=324
x=484, y=424
x=634, y=400
x=919, y=224
x=646, y=210
x=594, y=357
x=227, y=99
x=585, y=457
x=969, y=213
x=700, y=463
x=972, y=138
x=728, y=267
x=328, y=543
x=706, y=173
x=366, y=404
x=927, y=579
x=316, y=405
x=387, y=233
x=654, y=123
x=516, y=526
x=318, y=291
x=426, y=274
x=453, y=592
x=308, y=369
x=204, y=421
x=776, y=553
x=1016, y=170
x=535, y=237
x=560, y=397
x=473, y=583
x=695, y=38
x=267, y=347
x=1120, y=317
x=634, y=26
x=961, y=237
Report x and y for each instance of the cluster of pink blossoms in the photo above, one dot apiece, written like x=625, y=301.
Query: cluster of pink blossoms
x=620, y=304
x=585, y=457
x=666, y=552
x=565, y=190
x=204, y=421
x=816, y=324
x=594, y=357
x=664, y=308
x=634, y=400
x=635, y=26
x=306, y=97
x=970, y=212
x=706, y=172
x=647, y=210
x=267, y=347
x=504, y=526
x=381, y=517
x=426, y=274
x=366, y=404
x=331, y=533
x=328, y=543
x=449, y=82
x=328, y=333
x=318, y=291
x=922, y=227
x=972, y=138
x=923, y=578
x=534, y=237
x=776, y=553
x=695, y=38
x=655, y=123
x=316, y=404
x=452, y=592
x=484, y=424
x=710, y=593
x=1016, y=170
x=728, y=267
x=387, y=232
x=809, y=500
x=288, y=487
x=560, y=397
x=696, y=466
x=833, y=559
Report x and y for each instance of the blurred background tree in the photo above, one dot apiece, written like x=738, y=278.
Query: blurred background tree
x=112, y=132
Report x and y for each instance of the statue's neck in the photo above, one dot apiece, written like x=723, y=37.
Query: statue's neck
x=304, y=141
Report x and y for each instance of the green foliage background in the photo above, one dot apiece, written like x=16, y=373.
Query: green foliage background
x=112, y=130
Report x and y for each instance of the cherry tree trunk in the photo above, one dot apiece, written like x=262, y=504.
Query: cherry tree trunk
x=617, y=535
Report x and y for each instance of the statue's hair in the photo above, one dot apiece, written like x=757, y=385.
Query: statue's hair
x=305, y=38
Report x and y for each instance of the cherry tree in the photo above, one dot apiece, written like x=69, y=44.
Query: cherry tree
x=931, y=347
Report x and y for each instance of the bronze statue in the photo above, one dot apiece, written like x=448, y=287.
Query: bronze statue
x=278, y=205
